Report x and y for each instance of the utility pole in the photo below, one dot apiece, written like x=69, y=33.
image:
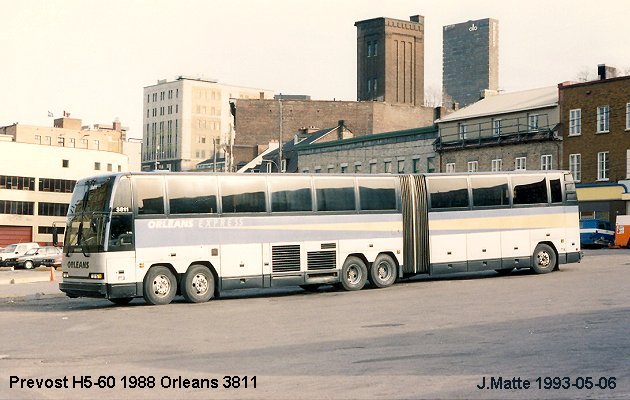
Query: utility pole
x=157, y=149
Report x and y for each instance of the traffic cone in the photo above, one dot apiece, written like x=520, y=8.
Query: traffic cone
x=52, y=274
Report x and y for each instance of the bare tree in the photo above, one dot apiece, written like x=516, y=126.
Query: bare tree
x=584, y=75
x=432, y=96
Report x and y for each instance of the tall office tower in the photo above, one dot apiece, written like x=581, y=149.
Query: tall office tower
x=188, y=120
x=470, y=62
x=390, y=60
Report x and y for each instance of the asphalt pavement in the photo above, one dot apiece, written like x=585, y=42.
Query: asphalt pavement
x=29, y=284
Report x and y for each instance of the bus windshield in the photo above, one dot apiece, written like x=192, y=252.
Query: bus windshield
x=87, y=215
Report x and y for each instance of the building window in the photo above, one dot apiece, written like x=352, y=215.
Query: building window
x=97, y=166
x=575, y=122
x=283, y=166
x=17, y=182
x=65, y=163
x=497, y=165
x=450, y=167
x=431, y=164
x=369, y=85
x=415, y=165
x=473, y=166
x=372, y=167
x=52, y=209
x=48, y=140
x=375, y=53
x=627, y=116
x=520, y=163
x=344, y=168
x=545, y=162
x=305, y=170
x=109, y=167
x=119, y=168
x=575, y=166
x=331, y=169
x=387, y=167
x=496, y=127
x=401, y=166
x=375, y=85
x=96, y=145
x=357, y=168
x=602, y=166
x=463, y=131
x=369, y=49
x=532, y=122
x=603, y=119
x=16, y=207
x=72, y=142
x=38, y=139
x=84, y=143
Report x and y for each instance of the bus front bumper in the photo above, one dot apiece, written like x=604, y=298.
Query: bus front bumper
x=100, y=290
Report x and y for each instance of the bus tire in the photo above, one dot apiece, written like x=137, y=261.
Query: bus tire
x=544, y=259
x=121, y=301
x=197, y=285
x=353, y=274
x=383, y=271
x=160, y=286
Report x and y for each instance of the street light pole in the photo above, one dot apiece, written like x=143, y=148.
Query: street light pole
x=157, y=149
x=280, y=139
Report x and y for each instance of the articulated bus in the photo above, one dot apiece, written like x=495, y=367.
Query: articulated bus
x=156, y=235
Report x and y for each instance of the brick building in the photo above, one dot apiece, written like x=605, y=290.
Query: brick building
x=390, y=60
x=504, y=132
x=258, y=122
x=595, y=125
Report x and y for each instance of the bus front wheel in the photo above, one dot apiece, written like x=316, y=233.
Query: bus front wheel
x=160, y=286
x=353, y=274
x=383, y=271
x=544, y=260
x=197, y=285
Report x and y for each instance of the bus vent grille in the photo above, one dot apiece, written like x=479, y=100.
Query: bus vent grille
x=285, y=258
x=318, y=260
x=329, y=246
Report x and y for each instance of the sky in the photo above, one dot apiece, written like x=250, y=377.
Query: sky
x=93, y=58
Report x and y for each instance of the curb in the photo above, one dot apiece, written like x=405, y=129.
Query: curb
x=35, y=277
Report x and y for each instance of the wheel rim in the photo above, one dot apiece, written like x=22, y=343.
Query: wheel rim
x=161, y=285
x=28, y=265
x=354, y=274
x=543, y=259
x=384, y=271
x=200, y=284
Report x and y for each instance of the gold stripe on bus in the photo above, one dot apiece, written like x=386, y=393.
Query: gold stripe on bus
x=504, y=222
x=360, y=226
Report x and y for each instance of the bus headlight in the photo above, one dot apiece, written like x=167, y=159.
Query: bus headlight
x=64, y=275
x=96, y=275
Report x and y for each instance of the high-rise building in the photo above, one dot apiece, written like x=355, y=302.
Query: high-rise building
x=470, y=61
x=390, y=60
x=188, y=120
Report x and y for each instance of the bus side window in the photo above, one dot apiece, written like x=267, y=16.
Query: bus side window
x=192, y=194
x=556, y=190
x=149, y=195
x=377, y=193
x=243, y=194
x=335, y=194
x=290, y=194
x=529, y=190
x=490, y=191
x=447, y=192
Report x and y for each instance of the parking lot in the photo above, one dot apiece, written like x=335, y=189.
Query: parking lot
x=422, y=338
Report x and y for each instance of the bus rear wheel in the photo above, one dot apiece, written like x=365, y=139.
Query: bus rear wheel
x=353, y=274
x=160, y=286
x=544, y=260
x=197, y=286
x=383, y=271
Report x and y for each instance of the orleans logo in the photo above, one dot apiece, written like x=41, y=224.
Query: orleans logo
x=472, y=28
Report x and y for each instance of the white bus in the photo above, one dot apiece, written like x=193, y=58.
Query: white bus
x=156, y=235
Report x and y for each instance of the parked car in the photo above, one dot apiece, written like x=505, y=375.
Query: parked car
x=35, y=256
x=52, y=260
x=596, y=232
x=12, y=252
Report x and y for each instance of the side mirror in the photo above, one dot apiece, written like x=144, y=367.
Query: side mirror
x=55, y=236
